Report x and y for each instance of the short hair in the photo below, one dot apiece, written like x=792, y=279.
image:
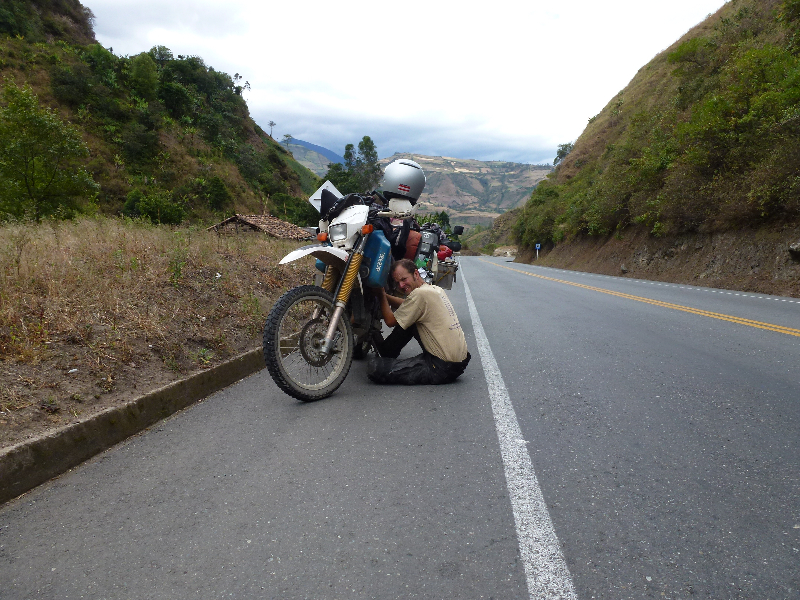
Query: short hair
x=406, y=263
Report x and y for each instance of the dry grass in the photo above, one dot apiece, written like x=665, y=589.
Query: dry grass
x=98, y=310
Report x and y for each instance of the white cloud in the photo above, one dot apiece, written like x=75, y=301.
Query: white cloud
x=508, y=80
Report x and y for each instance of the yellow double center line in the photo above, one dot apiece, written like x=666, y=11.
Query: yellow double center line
x=694, y=311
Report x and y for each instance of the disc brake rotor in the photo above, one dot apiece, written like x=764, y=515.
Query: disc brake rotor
x=312, y=336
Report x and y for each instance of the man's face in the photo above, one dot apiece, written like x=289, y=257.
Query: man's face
x=406, y=282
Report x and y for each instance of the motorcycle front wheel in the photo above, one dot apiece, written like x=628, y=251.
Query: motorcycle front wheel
x=293, y=338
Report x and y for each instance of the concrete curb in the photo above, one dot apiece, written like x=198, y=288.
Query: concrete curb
x=31, y=463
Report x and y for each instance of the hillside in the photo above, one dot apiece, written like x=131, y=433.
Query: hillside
x=484, y=240
x=704, y=139
x=96, y=310
x=47, y=21
x=472, y=191
x=749, y=260
x=168, y=137
x=689, y=174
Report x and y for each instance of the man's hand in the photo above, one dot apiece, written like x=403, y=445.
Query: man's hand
x=386, y=309
x=393, y=301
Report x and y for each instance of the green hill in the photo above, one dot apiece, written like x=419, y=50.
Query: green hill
x=705, y=138
x=168, y=137
x=47, y=20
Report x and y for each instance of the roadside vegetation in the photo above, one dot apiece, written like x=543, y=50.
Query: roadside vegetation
x=153, y=135
x=360, y=172
x=706, y=137
x=94, y=307
x=485, y=240
x=111, y=168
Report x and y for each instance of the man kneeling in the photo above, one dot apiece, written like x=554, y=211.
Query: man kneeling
x=427, y=315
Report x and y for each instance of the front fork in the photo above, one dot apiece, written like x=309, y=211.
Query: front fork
x=342, y=294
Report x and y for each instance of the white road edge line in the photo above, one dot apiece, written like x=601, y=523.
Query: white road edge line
x=546, y=570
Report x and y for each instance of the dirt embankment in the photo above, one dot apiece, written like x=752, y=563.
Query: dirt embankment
x=97, y=312
x=747, y=260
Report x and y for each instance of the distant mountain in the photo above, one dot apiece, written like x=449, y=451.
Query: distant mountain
x=474, y=191
x=314, y=158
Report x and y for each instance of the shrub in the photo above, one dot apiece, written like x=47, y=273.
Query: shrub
x=295, y=210
x=157, y=206
x=71, y=84
x=176, y=99
x=40, y=174
x=131, y=206
x=216, y=193
x=144, y=76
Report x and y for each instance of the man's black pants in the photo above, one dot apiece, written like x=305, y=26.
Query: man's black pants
x=423, y=369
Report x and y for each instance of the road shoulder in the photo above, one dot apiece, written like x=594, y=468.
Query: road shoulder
x=33, y=462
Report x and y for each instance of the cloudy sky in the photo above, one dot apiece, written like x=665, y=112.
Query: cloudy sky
x=507, y=81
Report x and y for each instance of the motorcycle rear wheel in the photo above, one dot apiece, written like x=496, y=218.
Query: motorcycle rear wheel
x=293, y=334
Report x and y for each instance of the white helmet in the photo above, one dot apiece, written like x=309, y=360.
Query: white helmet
x=404, y=179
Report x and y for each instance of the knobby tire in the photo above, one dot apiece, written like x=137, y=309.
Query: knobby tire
x=291, y=341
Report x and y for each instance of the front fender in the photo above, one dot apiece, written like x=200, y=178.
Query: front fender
x=327, y=254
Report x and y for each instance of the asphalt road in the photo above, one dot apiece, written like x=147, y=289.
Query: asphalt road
x=661, y=423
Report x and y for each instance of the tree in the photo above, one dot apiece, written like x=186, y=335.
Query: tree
x=339, y=176
x=238, y=89
x=39, y=155
x=442, y=218
x=368, y=170
x=161, y=54
x=157, y=206
x=563, y=150
x=360, y=171
x=271, y=125
x=144, y=76
x=350, y=158
x=216, y=192
x=287, y=138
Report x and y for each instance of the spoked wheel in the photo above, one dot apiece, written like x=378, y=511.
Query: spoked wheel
x=293, y=339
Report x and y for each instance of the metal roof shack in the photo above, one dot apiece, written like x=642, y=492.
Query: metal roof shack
x=265, y=223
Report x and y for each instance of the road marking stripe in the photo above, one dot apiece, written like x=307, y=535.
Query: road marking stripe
x=546, y=570
x=696, y=311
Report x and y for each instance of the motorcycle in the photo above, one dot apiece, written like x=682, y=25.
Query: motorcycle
x=314, y=332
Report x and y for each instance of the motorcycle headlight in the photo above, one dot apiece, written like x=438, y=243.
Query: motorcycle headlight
x=338, y=232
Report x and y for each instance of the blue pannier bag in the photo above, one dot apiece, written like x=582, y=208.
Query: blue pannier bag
x=378, y=258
